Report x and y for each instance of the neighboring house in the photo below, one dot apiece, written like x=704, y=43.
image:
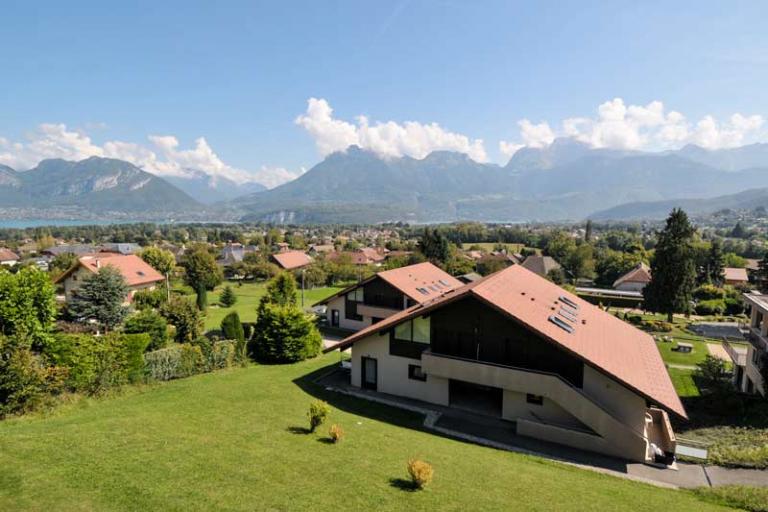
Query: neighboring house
x=469, y=277
x=518, y=347
x=374, y=255
x=736, y=276
x=138, y=275
x=746, y=373
x=316, y=249
x=634, y=280
x=291, y=260
x=234, y=253
x=76, y=249
x=365, y=256
x=8, y=258
x=121, y=248
x=541, y=265
x=385, y=294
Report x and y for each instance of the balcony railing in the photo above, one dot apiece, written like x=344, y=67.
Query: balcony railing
x=757, y=338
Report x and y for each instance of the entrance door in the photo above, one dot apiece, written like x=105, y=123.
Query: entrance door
x=369, y=375
x=334, y=318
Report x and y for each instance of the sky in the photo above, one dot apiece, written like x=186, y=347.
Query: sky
x=264, y=90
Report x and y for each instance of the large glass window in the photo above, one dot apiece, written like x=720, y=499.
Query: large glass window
x=416, y=330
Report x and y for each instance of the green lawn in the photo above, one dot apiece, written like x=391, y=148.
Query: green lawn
x=680, y=333
x=234, y=440
x=248, y=296
x=683, y=382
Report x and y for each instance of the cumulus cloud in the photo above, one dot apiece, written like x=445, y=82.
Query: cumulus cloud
x=387, y=139
x=640, y=127
x=163, y=156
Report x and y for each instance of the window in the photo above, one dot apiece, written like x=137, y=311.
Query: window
x=416, y=330
x=415, y=373
x=356, y=295
x=410, y=338
x=534, y=399
x=351, y=301
x=561, y=324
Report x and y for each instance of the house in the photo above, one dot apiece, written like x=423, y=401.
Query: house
x=746, y=367
x=121, y=248
x=291, y=260
x=316, y=249
x=234, y=253
x=541, y=265
x=138, y=275
x=735, y=276
x=517, y=347
x=634, y=280
x=385, y=294
x=8, y=258
x=76, y=249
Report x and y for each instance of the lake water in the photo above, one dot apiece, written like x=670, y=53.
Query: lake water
x=34, y=223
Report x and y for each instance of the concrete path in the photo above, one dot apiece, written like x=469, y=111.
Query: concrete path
x=717, y=350
x=682, y=366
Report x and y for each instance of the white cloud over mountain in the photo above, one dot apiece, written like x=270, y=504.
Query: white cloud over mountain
x=649, y=127
x=387, y=139
x=163, y=156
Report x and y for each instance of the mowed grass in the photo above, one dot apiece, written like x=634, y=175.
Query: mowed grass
x=683, y=381
x=248, y=295
x=235, y=440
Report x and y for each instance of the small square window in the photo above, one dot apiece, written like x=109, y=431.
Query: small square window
x=534, y=399
x=415, y=373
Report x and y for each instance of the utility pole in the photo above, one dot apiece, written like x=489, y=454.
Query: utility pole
x=302, y=288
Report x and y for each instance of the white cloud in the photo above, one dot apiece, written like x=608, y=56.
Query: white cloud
x=648, y=127
x=387, y=139
x=163, y=156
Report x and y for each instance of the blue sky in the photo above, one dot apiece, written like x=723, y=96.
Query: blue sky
x=240, y=73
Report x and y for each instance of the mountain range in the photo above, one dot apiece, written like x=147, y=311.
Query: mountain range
x=96, y=185
x=567, y=180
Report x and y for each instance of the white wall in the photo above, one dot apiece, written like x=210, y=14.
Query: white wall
x=344, y=323
x=393, y=372
x=626, y=405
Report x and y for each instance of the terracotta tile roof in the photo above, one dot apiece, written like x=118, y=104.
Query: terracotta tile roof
x=134, y=270
x=610, y=345
x=8, y=255
x=541, y=265
x=372, y=254
x=640, y=274
x=290, y=260
x=736, y=274
x=411, y=280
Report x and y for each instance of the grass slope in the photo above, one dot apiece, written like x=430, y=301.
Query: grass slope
x=234, y=441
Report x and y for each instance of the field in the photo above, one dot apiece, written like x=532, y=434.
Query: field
x=248, y=295
x=236, y=440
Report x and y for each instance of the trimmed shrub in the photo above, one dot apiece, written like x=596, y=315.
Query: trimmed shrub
x=733, y=306
x=318, y=412
x=149, y=322
x=285, y=334
x=222, y=355
x=709, y=292
x=710, y=307
x=336, y=433
x=174, y=362
x=421, y=473
x=24, y=381
x=228, y=297
x=149, y=299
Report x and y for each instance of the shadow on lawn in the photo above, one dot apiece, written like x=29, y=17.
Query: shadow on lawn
x=298, y=430
x=403, y=484
x=357, y=406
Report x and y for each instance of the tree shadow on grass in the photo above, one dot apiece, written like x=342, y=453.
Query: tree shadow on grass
x=298, y=430
x=403, y=484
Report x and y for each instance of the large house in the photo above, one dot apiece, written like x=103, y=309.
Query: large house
x=291, y=260
x=634, y=280
x=385, y=294
x=541, y=265
x=8, y=257
x=746, y=368
x=515, y=346
x=137, y=273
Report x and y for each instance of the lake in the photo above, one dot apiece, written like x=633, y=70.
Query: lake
x=34, y=223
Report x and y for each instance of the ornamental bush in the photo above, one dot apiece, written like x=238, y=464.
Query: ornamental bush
x=710, y=307
x=284, y=334
x=336, y=433
x=421, y=473
x=149, y=322
x=185, y=359
x=318, y=412
x=25, y=381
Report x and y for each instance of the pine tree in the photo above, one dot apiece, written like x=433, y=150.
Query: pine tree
x=715, y=271
x=673, y=270
x=101, y=298
x=762, y=271
x=202, y=297
x=588, y=231
x=228, y=297
x=435, y=246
